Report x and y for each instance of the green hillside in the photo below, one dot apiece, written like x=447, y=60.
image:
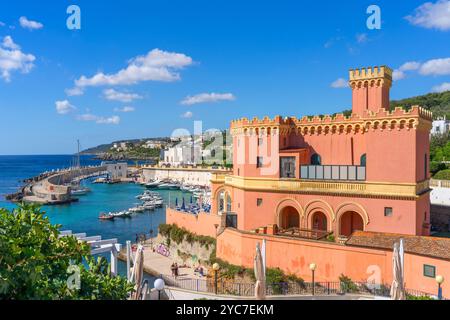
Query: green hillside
x=438, y=103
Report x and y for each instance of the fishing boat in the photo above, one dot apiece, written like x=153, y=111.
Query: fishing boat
x=106, y=216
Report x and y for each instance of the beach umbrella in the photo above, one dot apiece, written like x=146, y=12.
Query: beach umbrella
x=191, y=199
x=183, y=205
x=260, y=286
x=397, y=288
x=138, y=272
x=176, y=202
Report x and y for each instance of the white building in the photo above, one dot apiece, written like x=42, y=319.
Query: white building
x=185, y=153
x=440, y=126
x=116, y=170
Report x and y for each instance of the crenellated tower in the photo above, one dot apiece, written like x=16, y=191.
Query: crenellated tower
x=370, y=89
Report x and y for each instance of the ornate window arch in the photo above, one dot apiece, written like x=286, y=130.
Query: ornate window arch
x=363, y=160
x=316, y=159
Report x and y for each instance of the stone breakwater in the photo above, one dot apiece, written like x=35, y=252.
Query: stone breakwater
x=52, y=188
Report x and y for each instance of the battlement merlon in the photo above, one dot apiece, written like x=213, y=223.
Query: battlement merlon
x=367, y=74
x=398, y=115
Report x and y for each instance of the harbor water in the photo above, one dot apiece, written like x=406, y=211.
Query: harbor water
x=82, y=216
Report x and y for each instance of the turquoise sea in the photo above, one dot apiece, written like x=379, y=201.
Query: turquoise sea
x=82, y=216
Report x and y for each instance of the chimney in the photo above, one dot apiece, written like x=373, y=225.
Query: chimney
x=370, y=89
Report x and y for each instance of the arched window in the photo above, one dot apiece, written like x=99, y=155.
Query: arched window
x=363, y=160
x=228, y=203
x=316, y=160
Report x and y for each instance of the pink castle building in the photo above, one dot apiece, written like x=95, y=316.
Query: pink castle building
x=338, y=174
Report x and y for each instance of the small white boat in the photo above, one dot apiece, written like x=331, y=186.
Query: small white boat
x=137, y=209
x=80, y=191
x=153, y=184
x=121, y=214
x=148, y=206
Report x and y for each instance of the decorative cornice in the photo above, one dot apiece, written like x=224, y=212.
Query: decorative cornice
x=361, y=189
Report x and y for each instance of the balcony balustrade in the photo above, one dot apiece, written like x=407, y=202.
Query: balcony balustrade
x=333, y=172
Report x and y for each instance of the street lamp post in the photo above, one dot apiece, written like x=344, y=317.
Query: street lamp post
x=440, y=280
x=159, y=285
x=313, y=267
x=216, y=268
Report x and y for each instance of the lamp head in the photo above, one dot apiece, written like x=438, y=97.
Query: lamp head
x=312, y=266
x=159, y=284
x=440, y=279
x=216, y=266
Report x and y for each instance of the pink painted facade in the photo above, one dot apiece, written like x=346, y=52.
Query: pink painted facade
x=332, y=260
x=202, y=223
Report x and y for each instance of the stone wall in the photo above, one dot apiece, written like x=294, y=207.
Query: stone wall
x=190, y=176
x=185, y=252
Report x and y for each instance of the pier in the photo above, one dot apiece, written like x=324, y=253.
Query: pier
x=52, y=188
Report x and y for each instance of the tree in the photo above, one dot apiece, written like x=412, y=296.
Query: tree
x=35, y=261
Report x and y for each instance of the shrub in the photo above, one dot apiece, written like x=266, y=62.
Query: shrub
x=411, y=297
x=174, y=233
x=35, y=261
x=442, y=175
x=436, y=167
x=347, y=285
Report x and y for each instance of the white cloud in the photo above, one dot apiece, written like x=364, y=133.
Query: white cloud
x=432, y=15
x=410, y=66
x=156, y=65
x=400, y=73
x=362, y=37
x=2, y=24
x=339, y=83
x=110, y=120
x=442, y=87
x=29, y=24
x=8, y=43
x=100, y=120
x=13, y=59
x=64, y=107
x=208, y=97
x=113, y=95
x=75, y=91
x=436, y=67
x=187, y=115
x=125, y=109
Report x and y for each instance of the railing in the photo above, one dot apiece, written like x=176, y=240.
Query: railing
x=304, y=233
x=440, y=183
x=333, y=172
x=247, y=289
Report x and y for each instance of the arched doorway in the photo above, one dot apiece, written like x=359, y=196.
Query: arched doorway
x=350, y=222
x=319, y=221
x=289, y=218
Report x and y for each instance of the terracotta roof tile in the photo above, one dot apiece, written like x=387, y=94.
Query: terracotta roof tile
x=425, y=246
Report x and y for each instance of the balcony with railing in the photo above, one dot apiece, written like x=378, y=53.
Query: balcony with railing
x=333, y=172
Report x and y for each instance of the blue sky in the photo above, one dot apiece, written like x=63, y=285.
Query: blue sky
x=172, y=62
